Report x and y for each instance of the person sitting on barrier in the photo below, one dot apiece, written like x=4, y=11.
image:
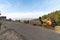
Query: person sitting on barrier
x=53, y=23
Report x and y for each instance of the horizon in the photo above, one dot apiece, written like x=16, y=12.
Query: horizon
x=27, y=9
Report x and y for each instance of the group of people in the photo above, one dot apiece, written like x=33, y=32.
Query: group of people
x=51, y=23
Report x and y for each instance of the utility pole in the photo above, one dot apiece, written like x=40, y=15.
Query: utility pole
x=0, y=12
x=0, y=21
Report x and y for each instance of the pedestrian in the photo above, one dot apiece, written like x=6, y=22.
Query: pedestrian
x=0, y=25
x=40, y=19
x=49, y=23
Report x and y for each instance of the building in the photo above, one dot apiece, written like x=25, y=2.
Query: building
x=2, y=17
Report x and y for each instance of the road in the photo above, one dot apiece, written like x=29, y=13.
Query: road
x=31, y=32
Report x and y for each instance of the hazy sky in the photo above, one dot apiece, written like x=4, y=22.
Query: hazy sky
x=19, y=9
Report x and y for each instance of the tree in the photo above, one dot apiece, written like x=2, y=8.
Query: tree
x=53, y=15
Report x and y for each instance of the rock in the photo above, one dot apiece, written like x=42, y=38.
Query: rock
x=57, y=28
x=10, y=34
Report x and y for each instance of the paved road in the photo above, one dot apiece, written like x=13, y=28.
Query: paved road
x=31, y=32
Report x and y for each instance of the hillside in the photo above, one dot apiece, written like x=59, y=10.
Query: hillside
x=53, y=16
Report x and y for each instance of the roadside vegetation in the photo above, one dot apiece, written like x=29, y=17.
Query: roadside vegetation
x=52, y=16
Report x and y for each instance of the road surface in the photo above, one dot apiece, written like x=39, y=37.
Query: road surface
x=31, y=32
